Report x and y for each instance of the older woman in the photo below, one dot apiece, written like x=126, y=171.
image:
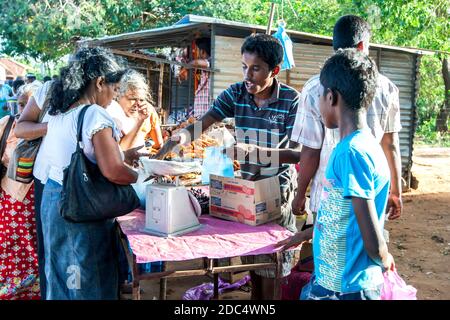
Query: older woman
x=19, y=277
x=134, y=114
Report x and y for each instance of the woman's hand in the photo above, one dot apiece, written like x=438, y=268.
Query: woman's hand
x=132, y=155
x=142, y=110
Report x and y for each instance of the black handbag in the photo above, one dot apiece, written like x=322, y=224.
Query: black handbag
x=3, y=142
x=86, y=194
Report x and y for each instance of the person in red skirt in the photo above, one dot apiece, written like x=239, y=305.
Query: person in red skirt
x=19, y=279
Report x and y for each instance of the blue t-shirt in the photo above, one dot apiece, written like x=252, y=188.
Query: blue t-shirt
x=357, y=168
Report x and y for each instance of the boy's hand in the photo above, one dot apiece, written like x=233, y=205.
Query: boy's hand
x=394, y=206
x=298, y=204
x=293, y=241
x=388, y=263
x=239, y=150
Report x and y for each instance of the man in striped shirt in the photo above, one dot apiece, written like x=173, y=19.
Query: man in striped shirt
x=264, y=111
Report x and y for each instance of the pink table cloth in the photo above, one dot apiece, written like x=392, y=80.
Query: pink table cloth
x=215, y=239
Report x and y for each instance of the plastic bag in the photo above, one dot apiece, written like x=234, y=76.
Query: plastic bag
x=205, y=291
x=286, y=42
x=216, y=162
x=223, y=137
x=395, y=288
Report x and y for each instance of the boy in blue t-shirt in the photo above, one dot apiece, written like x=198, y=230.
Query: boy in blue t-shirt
x=350, y=253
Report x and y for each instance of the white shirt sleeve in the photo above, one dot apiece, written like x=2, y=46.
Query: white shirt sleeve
x=308, y=127
x=41, y=94
x=393, y=121
x=95, y=120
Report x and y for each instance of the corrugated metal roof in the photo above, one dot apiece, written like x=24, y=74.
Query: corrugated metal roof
x=180, y=32
x=177, y=35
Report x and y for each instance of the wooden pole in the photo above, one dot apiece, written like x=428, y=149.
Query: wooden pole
x=160, y=86
x=272, y=12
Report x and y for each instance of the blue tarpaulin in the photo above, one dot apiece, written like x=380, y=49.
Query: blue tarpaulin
x=288, y=59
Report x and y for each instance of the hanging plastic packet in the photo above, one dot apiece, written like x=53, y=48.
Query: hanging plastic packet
x=286, y=42
x=216, y=162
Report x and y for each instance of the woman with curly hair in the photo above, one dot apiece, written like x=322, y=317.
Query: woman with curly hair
x=81, y=258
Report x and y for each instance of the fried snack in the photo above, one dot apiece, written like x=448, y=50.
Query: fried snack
x=188, y=176
x=236, y=165
x=194, y=150
x=191, y=120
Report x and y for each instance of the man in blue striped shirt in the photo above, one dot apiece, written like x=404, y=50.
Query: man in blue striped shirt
x=264, y=111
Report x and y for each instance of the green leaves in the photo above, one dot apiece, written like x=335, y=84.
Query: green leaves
x=44, y=29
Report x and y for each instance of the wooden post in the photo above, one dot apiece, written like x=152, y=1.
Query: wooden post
x=148, y=73
x=160, y=85
x=278, y=276
x=213, y=64
x=272, y=12
x=288, y=77
x=216, y=281
x=163, y=284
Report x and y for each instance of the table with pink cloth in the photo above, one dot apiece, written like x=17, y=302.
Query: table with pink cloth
x=215, y=239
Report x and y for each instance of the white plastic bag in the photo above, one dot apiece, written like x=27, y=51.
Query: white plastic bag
x=223, y=136
x=152, y=167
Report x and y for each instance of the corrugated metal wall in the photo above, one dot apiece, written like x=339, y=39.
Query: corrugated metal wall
x=399, y=67
x=227, y=58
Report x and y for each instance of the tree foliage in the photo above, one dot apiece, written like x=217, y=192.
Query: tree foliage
x=46, y=29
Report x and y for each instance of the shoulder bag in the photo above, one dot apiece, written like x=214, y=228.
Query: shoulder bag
x=86, y=194
x=20, y=167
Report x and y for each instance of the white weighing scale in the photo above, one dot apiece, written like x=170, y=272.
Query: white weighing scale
x=170, y=209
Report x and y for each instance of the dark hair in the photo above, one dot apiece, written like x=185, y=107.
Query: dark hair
x=85, y=66
x=266, y=47
x=353, y=74
x=204, y=44
x=349, y=31
x=17, y=84
x=47, y=78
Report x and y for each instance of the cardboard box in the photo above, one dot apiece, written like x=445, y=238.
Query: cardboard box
x=249, y=202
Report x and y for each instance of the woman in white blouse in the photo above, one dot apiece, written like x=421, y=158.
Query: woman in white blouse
x=80, y=258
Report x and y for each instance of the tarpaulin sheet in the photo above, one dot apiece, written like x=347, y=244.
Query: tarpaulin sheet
x=215, y=239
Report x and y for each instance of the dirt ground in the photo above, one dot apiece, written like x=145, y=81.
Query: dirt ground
x=419, y=240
